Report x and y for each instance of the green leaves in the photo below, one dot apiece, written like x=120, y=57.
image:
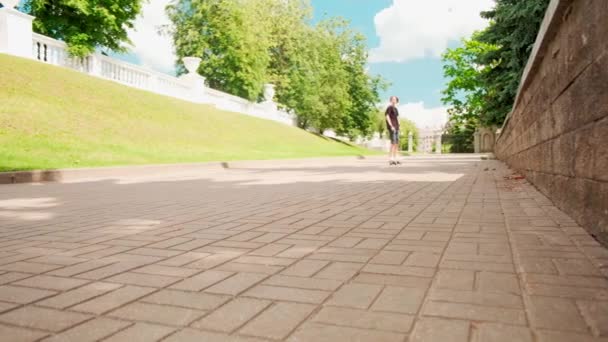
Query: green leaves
x=85, y=24
x=513, y=29
x=484, y=73
x=465, y=92
x=319, y=71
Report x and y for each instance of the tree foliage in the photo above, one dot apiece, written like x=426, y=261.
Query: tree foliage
x=513, y=29
x=85, y=24
x=318, y=70
x=484, y=72
x=465, y=92
x=232, y=44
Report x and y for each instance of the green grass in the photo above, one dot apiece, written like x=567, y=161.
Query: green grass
x=52, y=117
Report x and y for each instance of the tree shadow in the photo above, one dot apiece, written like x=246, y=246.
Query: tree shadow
x=211, y=194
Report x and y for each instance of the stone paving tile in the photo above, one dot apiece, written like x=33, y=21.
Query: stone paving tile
x=167, y=271
x=493, y=332
x=289, y=314
x=22, y=295
x=560, y=336
x=141, y=332
x=474, y=312
x=596, y=316
x=365, y=319
x=232, y=315
x=73, y=297
x=555, y=313
x=142, y=279
x=358, y=296
x=29, y=267
x=90, y=331
x=254, y=268
x=455, y=279
x=394, y=280
x=339, y=250
x=329, y=333
x=191, y=300
x=112, y=300
x=434, y=329
x=9, y=277
x=505, y=300
x=399, y=299
x=339, y=271
x=288, y=294
x=42, y=318
x=191, y=335
x=305, y=268
x=161, y=314
x=303, y=283
x=400, y=270
x=7, y=306
x=201, y=281
x=237, y=283
x=51, y=283
x=16, y=334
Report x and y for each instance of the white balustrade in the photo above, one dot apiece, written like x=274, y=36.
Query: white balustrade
x=16, y=35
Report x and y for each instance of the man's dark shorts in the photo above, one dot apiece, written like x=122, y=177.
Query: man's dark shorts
x=394, y=136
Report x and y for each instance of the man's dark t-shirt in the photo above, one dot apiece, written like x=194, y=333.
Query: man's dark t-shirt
x=393, y=115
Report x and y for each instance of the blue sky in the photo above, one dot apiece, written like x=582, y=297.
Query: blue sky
x=413, y=81
x=406, y=39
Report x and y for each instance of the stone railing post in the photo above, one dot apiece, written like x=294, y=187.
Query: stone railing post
x=197, y=82
x=269, y=93
x=95, y=65
x=410, y=142
x=477, y=141
x=15, y=30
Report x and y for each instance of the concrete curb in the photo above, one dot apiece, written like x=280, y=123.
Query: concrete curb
x=60, y=175
x=66, y=175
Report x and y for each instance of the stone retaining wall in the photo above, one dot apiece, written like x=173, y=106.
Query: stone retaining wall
x=557, y=133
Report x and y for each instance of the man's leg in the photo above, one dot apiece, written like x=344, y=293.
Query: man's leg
x=390, y=150
x=396, y=152
x=395, y=145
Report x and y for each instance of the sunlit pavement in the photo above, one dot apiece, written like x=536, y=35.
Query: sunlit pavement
x=441, y=248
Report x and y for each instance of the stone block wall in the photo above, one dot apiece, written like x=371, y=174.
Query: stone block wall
x=557, y=133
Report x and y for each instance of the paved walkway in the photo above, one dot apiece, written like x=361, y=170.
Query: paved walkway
x=439, y=249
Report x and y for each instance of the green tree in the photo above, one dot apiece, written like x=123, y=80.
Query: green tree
x=363, y=89
x=514, y=25
x=85, y=24
x=229, y=38
x=459, y=137
x=328, y=85
x=484, y=73
x=318, y=70
x=316, y=85
x=465, y=93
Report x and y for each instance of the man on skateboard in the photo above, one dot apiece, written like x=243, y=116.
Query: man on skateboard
x=392, y=125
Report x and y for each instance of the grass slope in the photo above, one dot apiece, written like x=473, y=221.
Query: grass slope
x=52, y=117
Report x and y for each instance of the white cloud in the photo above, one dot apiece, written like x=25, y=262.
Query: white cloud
x=424, y=118
x=154, y=50
x=410, y=29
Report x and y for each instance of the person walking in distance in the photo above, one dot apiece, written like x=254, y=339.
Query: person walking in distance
x=392, y=125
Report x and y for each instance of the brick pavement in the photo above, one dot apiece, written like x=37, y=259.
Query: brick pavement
x=439, y=249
